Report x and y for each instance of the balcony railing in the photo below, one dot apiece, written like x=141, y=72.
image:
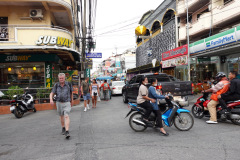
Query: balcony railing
x=8, y=32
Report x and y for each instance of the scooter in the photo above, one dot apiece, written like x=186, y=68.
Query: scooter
x=22, y=104
x=174, y=114
x=199, y=109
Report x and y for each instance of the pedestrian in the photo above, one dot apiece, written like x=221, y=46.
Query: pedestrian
x=95, y=92
x=64, y=102
x=105, y=86
x=85, y=88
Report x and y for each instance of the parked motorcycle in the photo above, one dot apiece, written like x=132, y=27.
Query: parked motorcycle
x=199, y=109
x=22, y=104
x=174, y=114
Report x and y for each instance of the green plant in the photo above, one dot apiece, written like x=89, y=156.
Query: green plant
x=14, y=90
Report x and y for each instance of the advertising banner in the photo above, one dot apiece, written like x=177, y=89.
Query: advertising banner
x=176, y=52
x=175, y=62
x=48, y=75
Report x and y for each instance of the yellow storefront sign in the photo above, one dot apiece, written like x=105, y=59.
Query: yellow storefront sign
x=53, y=40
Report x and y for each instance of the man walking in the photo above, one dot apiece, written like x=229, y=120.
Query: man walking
x=106, y=89
x=64, y=98
x=86, y=93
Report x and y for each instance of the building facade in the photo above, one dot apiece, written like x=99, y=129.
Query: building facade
x=38, y=39
x=160, y=37
x=214, y=36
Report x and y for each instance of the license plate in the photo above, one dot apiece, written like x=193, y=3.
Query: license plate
x=12, y=108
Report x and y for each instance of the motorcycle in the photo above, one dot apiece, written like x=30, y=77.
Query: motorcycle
x=22, y=104
x=174, y=114
x=199, y=109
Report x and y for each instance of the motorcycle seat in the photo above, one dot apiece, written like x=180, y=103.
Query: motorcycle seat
x=237, y=101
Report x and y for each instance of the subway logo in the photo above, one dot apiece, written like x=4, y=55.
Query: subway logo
x=53, y=40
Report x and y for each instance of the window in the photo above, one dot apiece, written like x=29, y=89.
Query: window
x=138, y=79
x=160, y=78
x=226, y=1
x=132, y=80
x=3, y=29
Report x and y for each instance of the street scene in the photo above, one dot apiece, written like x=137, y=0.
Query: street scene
x=116, y=80
x=103, y=133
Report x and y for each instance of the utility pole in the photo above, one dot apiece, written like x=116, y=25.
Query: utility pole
x=188, y=45
x=116, y=60
x=84, y=37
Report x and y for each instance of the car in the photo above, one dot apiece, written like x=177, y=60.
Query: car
x=116, y=87
x=166, y=84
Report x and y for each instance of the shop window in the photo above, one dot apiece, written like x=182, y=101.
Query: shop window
x=227, y=1
x=23, y=75
x=3, y=28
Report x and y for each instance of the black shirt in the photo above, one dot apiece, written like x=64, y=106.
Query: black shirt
x=234, y=88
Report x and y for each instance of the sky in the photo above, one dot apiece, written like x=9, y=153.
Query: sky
x=115, y=25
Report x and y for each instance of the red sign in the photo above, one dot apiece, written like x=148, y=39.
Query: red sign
x=180, y=51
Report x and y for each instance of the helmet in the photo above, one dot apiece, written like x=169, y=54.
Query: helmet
x=220, y=75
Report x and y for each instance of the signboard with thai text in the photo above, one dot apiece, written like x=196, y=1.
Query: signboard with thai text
x=176, y=52
x=93, y=55
x=175, y=62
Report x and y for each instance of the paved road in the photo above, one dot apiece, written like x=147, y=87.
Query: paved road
x=104, y=134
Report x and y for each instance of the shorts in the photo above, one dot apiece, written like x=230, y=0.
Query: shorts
x=93, y=93
x=86, y=96
x=63, y=108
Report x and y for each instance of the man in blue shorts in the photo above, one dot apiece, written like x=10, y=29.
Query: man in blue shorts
x=86, y=93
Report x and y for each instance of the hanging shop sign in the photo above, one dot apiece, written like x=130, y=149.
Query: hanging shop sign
x=175, y=62
x=54, y=40
x=180, y=51
x=93, y=55
x=48, y=75
x=28, y=58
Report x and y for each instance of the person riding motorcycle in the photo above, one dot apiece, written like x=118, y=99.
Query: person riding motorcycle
x=144, y=101
x=232, y=94
x=221, y=87
x=154, y=95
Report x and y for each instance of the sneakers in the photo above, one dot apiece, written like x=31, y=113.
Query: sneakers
x=211, y=122
x=88, y=107
x=63, y=130
x=85, y=109
x=67, y=134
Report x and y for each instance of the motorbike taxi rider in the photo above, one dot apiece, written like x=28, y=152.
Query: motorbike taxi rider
x=154, y=95
x=144, y=101
x=232, y=94
x=221, y=87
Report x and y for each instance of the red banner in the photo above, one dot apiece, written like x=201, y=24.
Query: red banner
x=176, y=52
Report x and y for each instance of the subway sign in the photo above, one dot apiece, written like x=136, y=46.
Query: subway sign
x=53, y=40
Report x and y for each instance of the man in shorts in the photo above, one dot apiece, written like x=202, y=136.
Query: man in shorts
x=64, y=102
x=86, y=93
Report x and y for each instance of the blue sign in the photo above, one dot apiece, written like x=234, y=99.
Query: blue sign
x=93, y=55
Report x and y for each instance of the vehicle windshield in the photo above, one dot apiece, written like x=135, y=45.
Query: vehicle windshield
x=160, y=78
x=118, y=83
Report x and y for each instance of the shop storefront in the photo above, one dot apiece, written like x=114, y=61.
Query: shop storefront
x=174, y=62
x=28, y=70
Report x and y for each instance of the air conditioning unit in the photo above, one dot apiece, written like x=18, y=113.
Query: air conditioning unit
x=35, y=13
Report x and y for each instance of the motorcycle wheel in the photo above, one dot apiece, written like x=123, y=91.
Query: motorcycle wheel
x=34, y=109
x=184, y=121
x=18, y=114
x=236, y=121
x=134, y=126
x=197, y=112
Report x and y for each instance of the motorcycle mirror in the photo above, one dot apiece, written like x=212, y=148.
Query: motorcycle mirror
x=14, y=96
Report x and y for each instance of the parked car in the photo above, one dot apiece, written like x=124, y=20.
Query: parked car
x=116, y=87
x=179, y=89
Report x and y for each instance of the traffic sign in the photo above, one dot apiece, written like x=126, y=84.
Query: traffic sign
x=93, y=55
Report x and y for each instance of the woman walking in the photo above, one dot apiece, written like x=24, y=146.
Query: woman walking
x=95, y=92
